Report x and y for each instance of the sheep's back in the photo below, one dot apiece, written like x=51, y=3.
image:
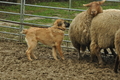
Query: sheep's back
x=104, y=27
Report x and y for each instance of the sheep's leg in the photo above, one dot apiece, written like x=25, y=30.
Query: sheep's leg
x=78, y=49
x=105, y=52
x=117, y=61
x=95, y=51
x=113, y=52
x=77, y=46
x=92, y=51
x=98, y=54
x=79, y=55
x=88, y=47
x=83, y=48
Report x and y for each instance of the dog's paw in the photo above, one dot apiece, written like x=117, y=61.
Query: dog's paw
x=30, y=59
x=35, y=57
x=63, y=58
x=56, y=59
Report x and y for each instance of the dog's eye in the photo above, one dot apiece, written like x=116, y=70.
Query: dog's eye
x=59, y=23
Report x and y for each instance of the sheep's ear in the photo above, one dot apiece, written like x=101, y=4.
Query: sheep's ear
x=100, y=10
x=101, y=2
x=87, y=5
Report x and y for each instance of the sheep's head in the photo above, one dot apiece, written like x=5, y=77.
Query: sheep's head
x=94, y=7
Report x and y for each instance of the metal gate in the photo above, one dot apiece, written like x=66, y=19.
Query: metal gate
x=13, y=33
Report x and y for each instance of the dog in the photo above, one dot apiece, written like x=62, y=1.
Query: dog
x=51, y=36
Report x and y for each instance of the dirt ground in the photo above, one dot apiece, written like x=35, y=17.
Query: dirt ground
x=14, y=65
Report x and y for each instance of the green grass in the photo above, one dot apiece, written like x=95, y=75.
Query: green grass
x=77, y=4
x=52, y=12
x=40, y=21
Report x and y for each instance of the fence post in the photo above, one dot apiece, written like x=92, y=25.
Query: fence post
x=22, y=11
x=69, y=7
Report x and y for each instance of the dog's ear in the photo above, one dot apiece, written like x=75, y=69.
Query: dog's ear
x=59, y=23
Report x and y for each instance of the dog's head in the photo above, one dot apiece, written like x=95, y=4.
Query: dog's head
x=61, y=24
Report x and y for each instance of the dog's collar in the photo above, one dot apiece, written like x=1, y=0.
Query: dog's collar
x=61, y=29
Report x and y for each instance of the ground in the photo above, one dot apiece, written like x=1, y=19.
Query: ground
x=14, y=65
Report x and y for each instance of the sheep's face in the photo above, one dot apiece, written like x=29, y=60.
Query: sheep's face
x=94, y=7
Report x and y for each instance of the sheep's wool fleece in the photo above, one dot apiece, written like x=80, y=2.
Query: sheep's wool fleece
x=104, y=27
x=79, y=29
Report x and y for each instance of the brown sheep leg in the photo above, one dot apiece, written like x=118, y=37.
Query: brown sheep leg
x=83, y=48
x=77, y=46
x=92, y=51
x=98, y=54
x=95, y=51
x=117, y=61
x=79, y=54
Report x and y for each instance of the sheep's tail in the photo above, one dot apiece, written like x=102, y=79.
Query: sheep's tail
x=24, y=31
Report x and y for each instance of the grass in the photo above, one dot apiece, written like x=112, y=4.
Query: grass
x=52, y=12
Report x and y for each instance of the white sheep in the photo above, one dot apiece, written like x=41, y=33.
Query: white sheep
x=103, y=29
x=79, y=32
x=117, y=46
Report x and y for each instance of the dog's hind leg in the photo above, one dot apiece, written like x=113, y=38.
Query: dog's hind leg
x=60, y=51
x=33, y=55
x=54, y=52
x=31, y=45
x=28, y=51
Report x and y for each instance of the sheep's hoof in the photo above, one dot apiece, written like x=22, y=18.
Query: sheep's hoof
x=115, y=70
x=101, y=66
x=80, y=58
x=92, y=60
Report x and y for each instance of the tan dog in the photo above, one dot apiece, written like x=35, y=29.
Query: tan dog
x=51, y=36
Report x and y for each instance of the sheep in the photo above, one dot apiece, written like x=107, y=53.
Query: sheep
x=102, y=32
x=79, y=28
x=117, y=47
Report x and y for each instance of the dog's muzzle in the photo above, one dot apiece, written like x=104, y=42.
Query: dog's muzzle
x=67, y=24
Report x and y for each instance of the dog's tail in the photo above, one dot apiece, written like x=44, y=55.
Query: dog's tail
x=24, y=31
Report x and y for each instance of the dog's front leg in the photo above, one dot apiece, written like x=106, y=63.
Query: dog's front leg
x=54, y=52
x=60, y=51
